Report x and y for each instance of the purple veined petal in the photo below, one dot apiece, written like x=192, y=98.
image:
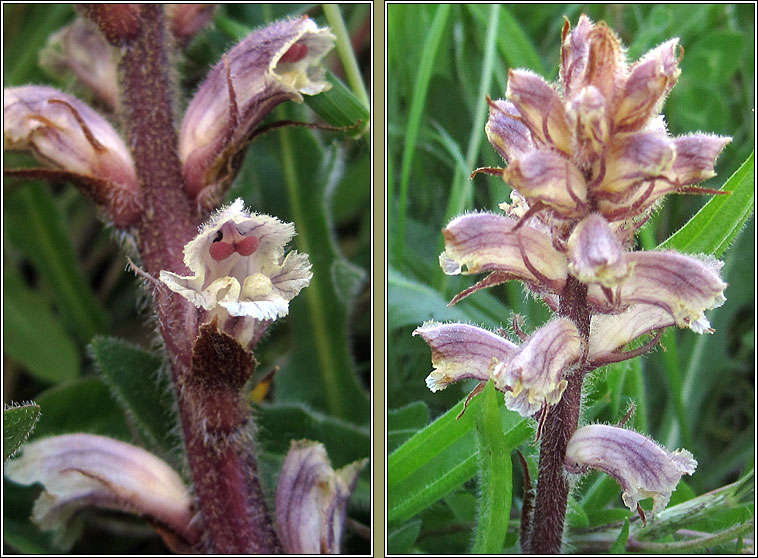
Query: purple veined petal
x=541, y=109
x=66, y=134
x=696, y=156
x=650, y=80
x=595, y=254
x=634, y=159
x=506, y=132
x=274, y=64
x=488, y=242
x=610, y=332
x=535, y=376
x=587, y=115
x=461, y=352
x=312, y=498
x=550, y=179
x=642, y=468
x=684, y=286
x=79, y=470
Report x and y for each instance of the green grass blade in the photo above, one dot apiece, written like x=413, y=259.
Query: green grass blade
x=426, y=64
x=713, y=229
x=35, y=225
x=440, y=458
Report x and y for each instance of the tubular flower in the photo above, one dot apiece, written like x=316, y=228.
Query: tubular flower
x=240, y=270
x=311, y=499
x=595, y=138
x=79, y=470
x=530, y=375
x=278, y=63
x=66, y=134
x=642, y=468
x=461, y=352
x=535, y=376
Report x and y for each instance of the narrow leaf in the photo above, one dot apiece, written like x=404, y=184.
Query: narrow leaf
x=400, y=539
x=713, y=229
x=440, y=458
x=131, y=375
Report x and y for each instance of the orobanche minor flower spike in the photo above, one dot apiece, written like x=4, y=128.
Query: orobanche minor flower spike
x=589, y=159
x=217, y=282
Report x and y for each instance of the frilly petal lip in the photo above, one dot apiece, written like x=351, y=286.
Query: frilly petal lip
x=256, y=285
x=79, y=470
x=482, y=242
x=461, y=352
x=642, y=467
x=684, y=286
x=311, y=499
x=535, y=376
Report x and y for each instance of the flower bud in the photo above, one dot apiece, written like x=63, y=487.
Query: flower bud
x=68, y=135
x=277, y=63
x=189, y=19
x=311, y=499
x=595, y=254
x=81, y=50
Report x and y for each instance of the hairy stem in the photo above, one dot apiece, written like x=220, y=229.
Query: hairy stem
x=214, y=416
x=560, y=424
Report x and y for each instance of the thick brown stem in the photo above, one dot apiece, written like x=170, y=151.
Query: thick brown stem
x=214, y=416
x=560, y=425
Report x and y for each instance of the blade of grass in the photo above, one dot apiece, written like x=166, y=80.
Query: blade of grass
x=345, y=51
x=429, y=54
x=713, y=229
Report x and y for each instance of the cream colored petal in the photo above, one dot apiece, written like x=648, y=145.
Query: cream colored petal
x=461, y=352
x=79, y=470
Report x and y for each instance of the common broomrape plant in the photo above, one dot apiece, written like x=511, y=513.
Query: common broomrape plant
x=218, y=278
x=589, y=160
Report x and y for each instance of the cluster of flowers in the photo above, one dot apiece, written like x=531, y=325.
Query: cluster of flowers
x=588, y=158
